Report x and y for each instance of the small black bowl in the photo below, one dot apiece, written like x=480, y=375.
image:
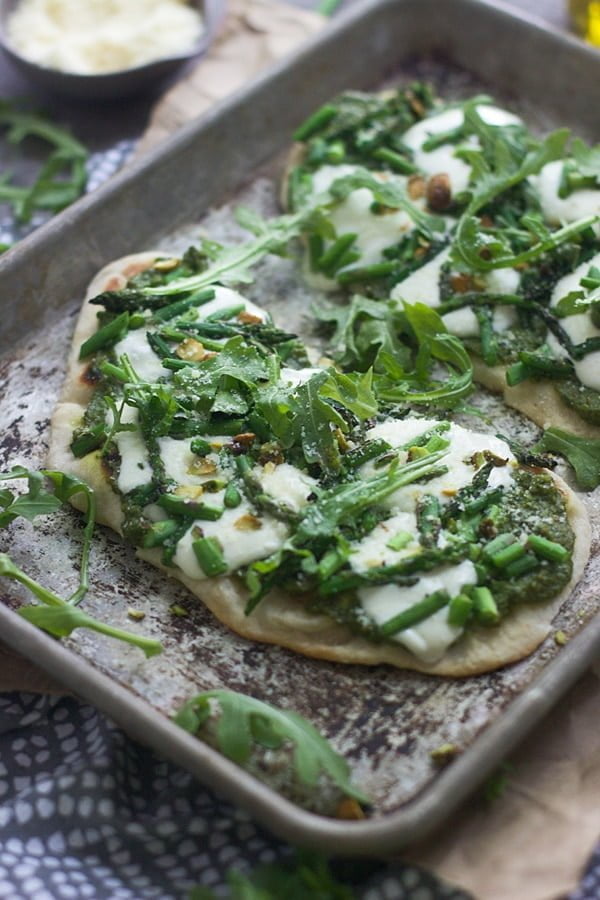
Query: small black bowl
x=121, y=83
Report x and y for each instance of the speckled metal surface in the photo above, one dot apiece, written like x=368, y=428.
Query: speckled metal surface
x=385, y=721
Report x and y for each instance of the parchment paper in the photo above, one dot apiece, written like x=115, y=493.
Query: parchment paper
x=533, y=841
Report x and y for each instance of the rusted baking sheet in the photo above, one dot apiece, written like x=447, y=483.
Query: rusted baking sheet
x=385, y=721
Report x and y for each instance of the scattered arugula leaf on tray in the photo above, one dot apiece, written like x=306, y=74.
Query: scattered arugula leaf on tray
x=583, y=454
x=244, y=721
x=61, y=178
x=47, y=491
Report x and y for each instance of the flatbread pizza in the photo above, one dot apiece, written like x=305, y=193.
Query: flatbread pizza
x=298, y=509
x=460, y=207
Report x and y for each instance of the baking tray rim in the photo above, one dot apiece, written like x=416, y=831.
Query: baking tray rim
x=427, y=809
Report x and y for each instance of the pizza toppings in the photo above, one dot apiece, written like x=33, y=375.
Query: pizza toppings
x=519, y=230
x=244, y=461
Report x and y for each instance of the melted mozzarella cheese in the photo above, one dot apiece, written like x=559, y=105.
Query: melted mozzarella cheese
x=423, y=286
x=429, y=639
x=463, y=445
x=579, y=327
x=374, y=231
x=288, y=484
x=373, y=550
x=442, y=159
x=177, y=459
x=135, y=469
x=145, y=362
x=558, y=210
x=240, y=545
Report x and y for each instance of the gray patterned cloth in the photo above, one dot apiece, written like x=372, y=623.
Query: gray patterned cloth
x=87, y=813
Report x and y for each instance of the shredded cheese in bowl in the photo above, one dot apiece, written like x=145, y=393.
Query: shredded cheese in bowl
x=93, y=37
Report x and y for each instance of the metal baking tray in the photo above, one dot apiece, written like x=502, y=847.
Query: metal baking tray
x=385, y=721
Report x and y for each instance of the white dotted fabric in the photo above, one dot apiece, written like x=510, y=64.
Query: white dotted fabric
x=87, y=813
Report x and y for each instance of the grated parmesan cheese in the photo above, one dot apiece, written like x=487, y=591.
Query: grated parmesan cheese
x=100, y=36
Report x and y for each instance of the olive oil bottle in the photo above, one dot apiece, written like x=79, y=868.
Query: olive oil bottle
x=585, y=15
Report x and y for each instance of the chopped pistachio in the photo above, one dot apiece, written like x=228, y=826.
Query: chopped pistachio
x=202, y=466
x=349, y=808
x=166, y=265
x=136, y=614
x=444, y=754
x=177, y=610
x=248, y=522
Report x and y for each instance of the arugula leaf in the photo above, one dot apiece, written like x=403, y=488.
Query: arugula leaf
x=396, y=385
x=587, y=158
x=244, y=721
x=233, y=264
x=582, y=453
x=354, y=391
x=57, y=616
x=361, y=329
x=501, y=168
x=60, y=618
x=339, y=504
x=62, y=177
x=37, y=502
x=319, y=443
x=306, y=875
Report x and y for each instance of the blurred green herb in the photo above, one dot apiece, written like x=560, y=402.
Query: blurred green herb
x=244, y=721
x=61, y=178
x=583, y=454
x=496, y=784
x=305, y=875
x=47, y=491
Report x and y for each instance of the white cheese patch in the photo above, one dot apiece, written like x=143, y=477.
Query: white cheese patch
x=146, y=364
x=429, y=639
x=135, y=469
x=353, y=215
x=178, y=458
x=297, y=376
x=423, y=286
x=92, y=37
x=226, y=297
x=560, y=210
x=442, y=159
x=240, y=546
x=288, y=484
x=579, y=327
x=373, y=549
x=463, y=444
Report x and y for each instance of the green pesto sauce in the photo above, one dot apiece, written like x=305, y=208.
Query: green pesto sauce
x=584, y=400
x=535, y=506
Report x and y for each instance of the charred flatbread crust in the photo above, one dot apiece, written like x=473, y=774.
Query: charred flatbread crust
x=280, y=618
x=538, y=400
